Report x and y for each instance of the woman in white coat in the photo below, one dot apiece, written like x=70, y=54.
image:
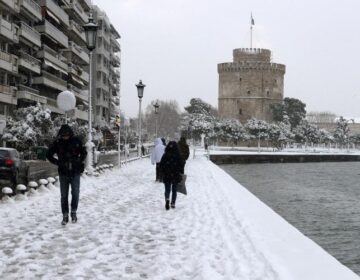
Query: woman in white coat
x=156, y=156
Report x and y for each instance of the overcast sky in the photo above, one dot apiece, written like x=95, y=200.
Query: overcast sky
x=174, y=46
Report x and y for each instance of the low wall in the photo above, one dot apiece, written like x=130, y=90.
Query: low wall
x=280, y=158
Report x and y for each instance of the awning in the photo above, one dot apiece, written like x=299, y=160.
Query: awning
x=52, y=65
x=77, y=80
x=50, y=14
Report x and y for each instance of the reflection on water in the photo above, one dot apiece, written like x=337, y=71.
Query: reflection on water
x=322, y=200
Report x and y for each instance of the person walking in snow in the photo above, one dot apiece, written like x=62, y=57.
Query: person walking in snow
x=184, y=152
x=170, y=167
x=156, y=156
x=71, y=155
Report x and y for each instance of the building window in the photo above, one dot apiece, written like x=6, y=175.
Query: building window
x=248, y=92
x=240, y=111
x=268, y=93
x=240, y=79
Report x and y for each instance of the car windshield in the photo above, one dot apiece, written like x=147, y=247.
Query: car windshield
x=4, y=154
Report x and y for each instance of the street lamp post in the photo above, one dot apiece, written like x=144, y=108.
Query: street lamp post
x=140, y=89
x=156, y=108
x=90, y=34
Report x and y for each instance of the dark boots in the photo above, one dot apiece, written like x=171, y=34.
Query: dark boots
x=167, y=204
x=73, y=217
x=65, y=220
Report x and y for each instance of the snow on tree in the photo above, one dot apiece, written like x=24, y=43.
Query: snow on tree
x=230, y=130
x=258, y=129
x=200, y=119
x=307, y=133
x=342, y=132
x=30, y=126
x=280, y=133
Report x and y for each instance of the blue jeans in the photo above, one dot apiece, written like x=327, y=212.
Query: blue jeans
x=168, y=188
x=65, y=182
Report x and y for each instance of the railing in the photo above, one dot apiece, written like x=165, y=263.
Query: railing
x=52, y=102
x=30, y=59
x=6, y=89
x=12, y=4
x=5, y=56
x=57, y=10
x=33, y=5
x=33, y=33
x=28, y=89
x=56, y=32
x=5, y=23
x=54, y=78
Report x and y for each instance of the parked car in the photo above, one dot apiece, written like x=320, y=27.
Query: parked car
x=12, y=167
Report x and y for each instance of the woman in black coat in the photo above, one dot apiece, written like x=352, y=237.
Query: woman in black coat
x=170, y=166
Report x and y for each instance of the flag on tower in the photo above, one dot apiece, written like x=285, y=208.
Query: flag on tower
x=252, y=20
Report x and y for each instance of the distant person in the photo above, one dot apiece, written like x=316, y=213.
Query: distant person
x=170, y=167
x=206, y=146
x=142, y=150
x=70, y=159
x=184, y=152
x=163, y=141
x=156, y=156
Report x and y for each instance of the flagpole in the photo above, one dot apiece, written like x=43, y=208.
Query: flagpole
x=251, y=30
x=250, y=36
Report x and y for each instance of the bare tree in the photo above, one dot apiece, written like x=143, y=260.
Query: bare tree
x=168, y=119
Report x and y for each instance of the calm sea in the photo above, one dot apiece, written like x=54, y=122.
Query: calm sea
x=322, y=200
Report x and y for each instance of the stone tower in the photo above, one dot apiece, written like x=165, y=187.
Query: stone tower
x=249, y=85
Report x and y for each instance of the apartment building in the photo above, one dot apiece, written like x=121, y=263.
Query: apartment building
x=43, y=52
x=106, y=70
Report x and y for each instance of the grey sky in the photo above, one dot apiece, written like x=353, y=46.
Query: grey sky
x=174, y=46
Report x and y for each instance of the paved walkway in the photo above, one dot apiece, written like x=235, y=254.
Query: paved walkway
x=124, y=232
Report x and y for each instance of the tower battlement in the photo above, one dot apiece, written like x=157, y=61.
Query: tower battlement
x=254, y=65
x=251, y=54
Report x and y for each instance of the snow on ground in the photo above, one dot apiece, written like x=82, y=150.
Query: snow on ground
x=285, y=152
x=218, y=231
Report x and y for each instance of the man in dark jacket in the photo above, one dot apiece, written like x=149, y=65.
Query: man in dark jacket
x=170, y=166
x=184, y=152
x=70, y=159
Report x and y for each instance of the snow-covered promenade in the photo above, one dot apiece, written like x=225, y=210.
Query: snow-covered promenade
x=218, y=231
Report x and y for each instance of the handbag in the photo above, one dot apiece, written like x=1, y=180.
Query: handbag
x=181, y=187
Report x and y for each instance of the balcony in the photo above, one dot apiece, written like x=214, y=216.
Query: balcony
x=8, y=94
x=9, y=62
x=101, y=67
x=30, y=63
x=55, y=34
x=12, y=5
x=29, y=34
x=51, y=81
x=115, y=44
x=77, y=33
x=78, y=72
x=81, y=56
x=31, y=8
x=56, y=10
x=86, y=4
x=115, y=60
x=8, y=31
x=49, y=55
x=76, y=10
x=30, y=94
x=82, y=115
x=79, y=94
x=102, y=86
x=101, y=102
